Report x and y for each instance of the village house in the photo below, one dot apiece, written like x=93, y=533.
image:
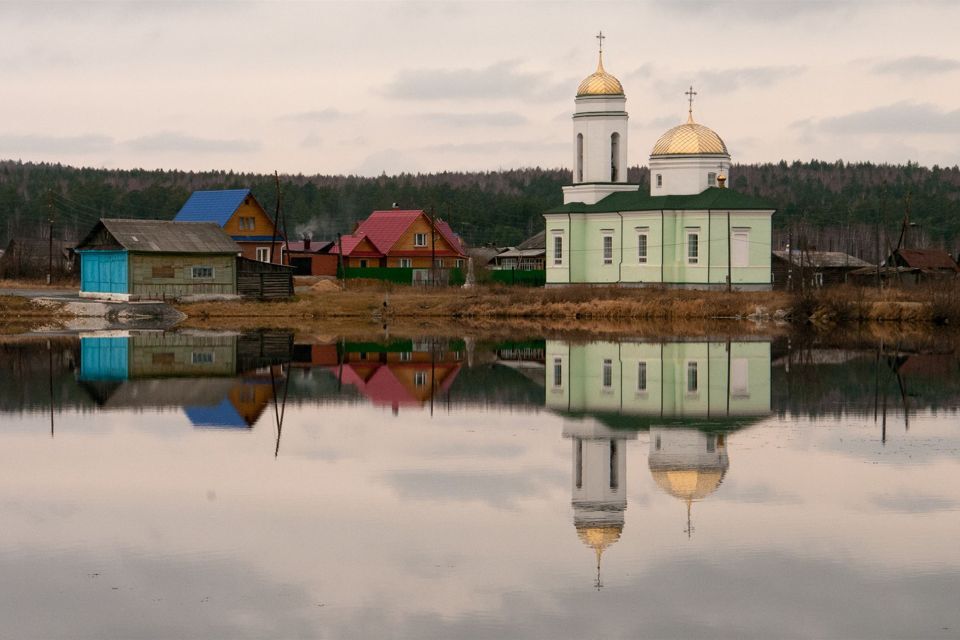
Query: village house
x=33, y=257
x=910, y=267
x=156, y=259
x=312, y=257
x=529, y=255
x=402, y=239
x=241, y=216
x=813, y=268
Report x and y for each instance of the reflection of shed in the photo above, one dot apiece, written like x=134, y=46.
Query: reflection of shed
x=817, y=268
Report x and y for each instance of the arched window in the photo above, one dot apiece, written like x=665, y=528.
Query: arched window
x=614, y=157
x=579, y=157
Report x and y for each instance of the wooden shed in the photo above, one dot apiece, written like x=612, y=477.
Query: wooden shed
x=264, y=280
x=156, y=260
x=814, y=268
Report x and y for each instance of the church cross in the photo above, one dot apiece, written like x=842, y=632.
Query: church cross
x=690, y=93
x=601, y=38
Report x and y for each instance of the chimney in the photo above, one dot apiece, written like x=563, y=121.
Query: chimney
x=306, y=243
x=396, y=205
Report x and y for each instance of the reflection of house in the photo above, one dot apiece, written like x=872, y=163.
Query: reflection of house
x=198, y=372
x=599, y=483
x=402, y=373
x=240, y=215
x=688, y=464
x=818, y=268
x=676, y=379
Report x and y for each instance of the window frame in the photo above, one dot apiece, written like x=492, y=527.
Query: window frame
x=558, y=250
x=642, y=246
x=417, y=239
x=607, y=251
x=659, y=180
x=263, y=251
x=606, y=374
x=202, y=269
x=642, y=376
x=693, y=248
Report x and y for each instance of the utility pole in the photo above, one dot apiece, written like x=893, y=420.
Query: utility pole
x=50, y=237
x=433, y=247
x=276, y=218
x=343, y=273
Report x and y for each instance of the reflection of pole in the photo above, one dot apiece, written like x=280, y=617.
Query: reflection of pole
x=433, y=373
x=50, y=369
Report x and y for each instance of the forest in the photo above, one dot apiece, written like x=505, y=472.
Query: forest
x=826, y=205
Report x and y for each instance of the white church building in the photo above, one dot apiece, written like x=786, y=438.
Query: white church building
x=688, y=231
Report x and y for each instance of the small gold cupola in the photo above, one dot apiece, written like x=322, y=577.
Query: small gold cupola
x=600, y=83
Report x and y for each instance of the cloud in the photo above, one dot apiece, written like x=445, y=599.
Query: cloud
x=900, y=118
x=497, y=489
x=778, y=11
x=179, y=142
x=496, y=146
x=725, y=80
x=481, y=119
x=501, y=79
x=318, y=116
x=14, y=144
x=311, y=141
x=912, y=66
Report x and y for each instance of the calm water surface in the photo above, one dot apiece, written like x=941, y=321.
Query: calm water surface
x=260, y=485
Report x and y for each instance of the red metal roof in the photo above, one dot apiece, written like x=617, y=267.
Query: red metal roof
x=927, y=259
x=384, y=229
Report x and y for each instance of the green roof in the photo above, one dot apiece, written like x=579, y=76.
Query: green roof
x=712, y=198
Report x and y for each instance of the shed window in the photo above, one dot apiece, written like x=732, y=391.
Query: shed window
x=202, y=272
x=202, y=357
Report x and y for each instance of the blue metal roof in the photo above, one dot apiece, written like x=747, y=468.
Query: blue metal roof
x=211, y=206
x=222, y=416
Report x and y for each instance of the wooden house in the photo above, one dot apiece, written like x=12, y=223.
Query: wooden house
x=156, y=260
x=241, y=216
x=403, y=239
x=529, y=255
x=815, y=268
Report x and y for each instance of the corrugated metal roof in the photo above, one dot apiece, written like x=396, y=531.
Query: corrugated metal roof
x=384, y=229
x=927, y=259
x=821, y=259
x=166, y=236
x=211, y=206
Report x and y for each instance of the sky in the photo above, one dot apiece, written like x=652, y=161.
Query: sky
x=387, y=87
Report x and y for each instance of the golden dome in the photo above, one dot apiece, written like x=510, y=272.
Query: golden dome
x=600, y=83
x=600, y=536
x=688, y=484
x=689, y=138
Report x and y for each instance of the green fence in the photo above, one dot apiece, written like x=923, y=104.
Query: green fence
x=533, y=278
x=401, y=275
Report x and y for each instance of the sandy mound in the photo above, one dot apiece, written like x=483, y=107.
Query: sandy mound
x=325, y=286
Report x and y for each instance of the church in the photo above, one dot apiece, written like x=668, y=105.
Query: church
x=690, y=231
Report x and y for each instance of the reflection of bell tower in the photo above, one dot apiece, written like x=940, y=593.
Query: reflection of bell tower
x=599, y=484
x=688, y=463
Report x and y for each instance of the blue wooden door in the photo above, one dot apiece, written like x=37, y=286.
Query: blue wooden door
x=104, y=271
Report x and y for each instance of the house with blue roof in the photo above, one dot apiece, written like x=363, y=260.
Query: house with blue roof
x=241, y=216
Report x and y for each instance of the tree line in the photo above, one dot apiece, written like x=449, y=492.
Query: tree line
x=836, y=203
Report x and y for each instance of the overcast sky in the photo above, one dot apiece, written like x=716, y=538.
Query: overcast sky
x=365, y=87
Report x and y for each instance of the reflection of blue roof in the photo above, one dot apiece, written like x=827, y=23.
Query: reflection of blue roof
x=211, y=206
x=221, y=416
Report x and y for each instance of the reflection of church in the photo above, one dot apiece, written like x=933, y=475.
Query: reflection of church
x=599, y=483
x=688, y=395
x=689, y=464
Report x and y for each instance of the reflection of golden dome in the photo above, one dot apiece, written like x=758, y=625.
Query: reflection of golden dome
x=688, y=484
x=599, y=537
x=600, y=83
x=689, y=139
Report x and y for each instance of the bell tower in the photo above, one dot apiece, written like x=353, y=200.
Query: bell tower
x=599, y=138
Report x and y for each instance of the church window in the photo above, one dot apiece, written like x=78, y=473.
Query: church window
x=614, y=157
x=614, y=480
x=711, y=179
x=557, y=250
x=711, y=444
x=419, y=239
x=740, y=247
x=659, y=180
x=693, y=248
x=693, y=384
x=642, y=248
x=557, y=372
x=641, y=376
x=608, y=249
x=607, y=374
x=579, y=157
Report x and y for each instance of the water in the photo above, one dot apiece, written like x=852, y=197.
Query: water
x=266, y=485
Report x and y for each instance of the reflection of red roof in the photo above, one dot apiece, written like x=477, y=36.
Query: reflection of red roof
x=384, y=229
x=379, y=384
